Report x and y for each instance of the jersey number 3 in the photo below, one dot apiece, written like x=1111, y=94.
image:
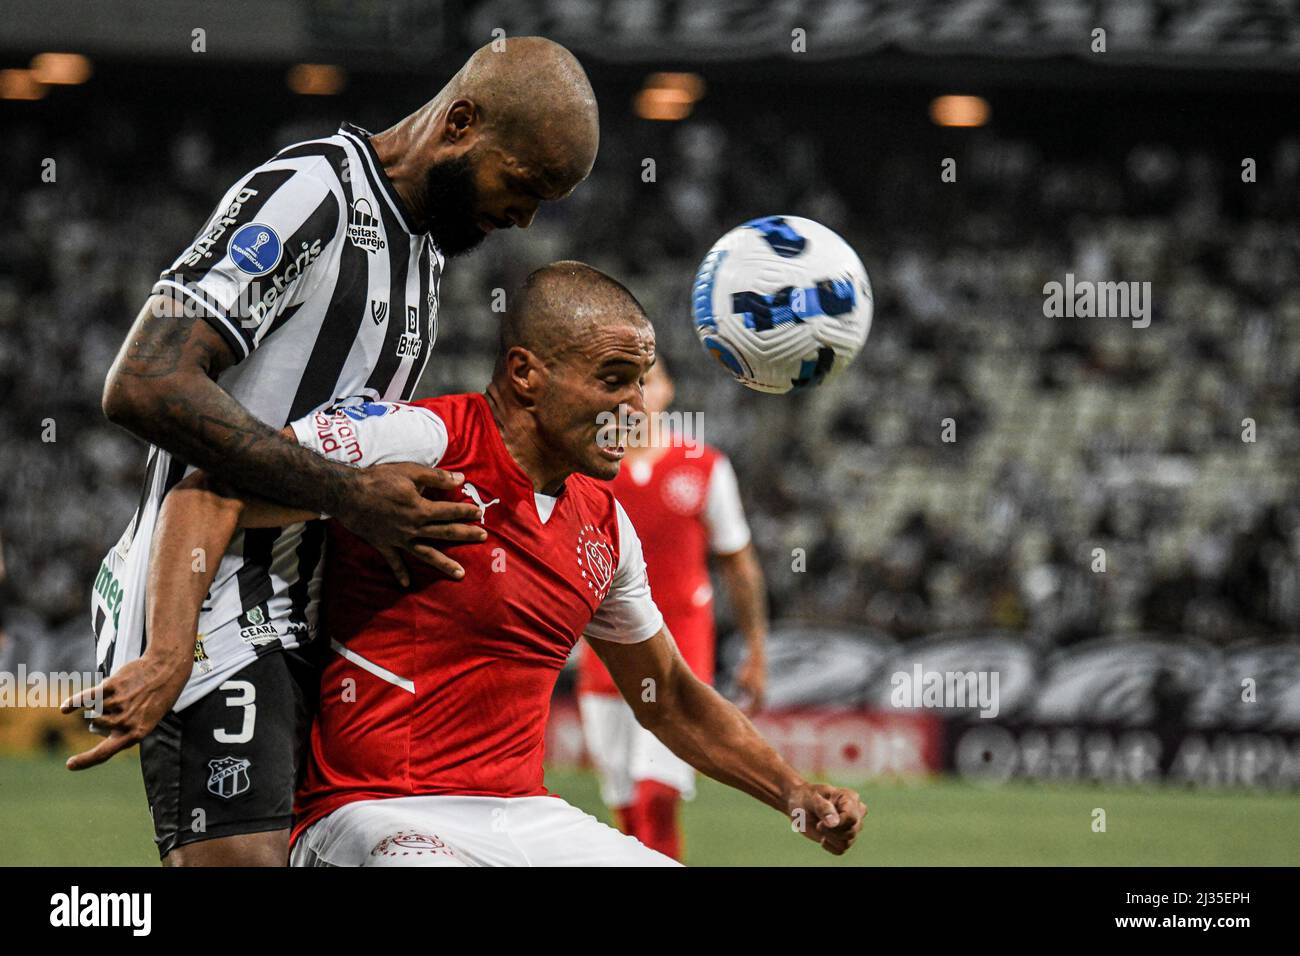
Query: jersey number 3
x=245, y=696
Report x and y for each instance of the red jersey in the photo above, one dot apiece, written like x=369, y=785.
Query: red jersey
x=445, y=687
x=685, y=505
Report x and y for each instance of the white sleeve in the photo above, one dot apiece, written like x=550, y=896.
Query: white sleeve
x=374, y=433
x=628, y=614
x=723, y=513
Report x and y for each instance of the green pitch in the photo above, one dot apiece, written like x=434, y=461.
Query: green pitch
x=49, y=816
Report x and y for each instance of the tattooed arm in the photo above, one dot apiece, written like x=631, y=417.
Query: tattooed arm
x=199, y=518
x=162, y=387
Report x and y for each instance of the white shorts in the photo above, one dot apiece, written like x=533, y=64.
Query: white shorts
x=625, y=753
x=467, y=831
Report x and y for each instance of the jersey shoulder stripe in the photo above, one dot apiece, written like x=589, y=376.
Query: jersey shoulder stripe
x=256, y=250
x=339, y=329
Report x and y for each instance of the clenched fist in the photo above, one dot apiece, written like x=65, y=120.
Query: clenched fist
x=829, y=816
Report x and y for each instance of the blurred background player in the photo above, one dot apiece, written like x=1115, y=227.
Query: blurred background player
x=683, y=498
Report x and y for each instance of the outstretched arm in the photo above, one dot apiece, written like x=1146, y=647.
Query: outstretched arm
x=713, y=736
x=195, y=526
x=162, y=387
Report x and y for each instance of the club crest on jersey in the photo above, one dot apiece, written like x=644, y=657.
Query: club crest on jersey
x=595, y=560
x=410, y=843
x=228, y=777
x=363, y=227
x=255, y=249
x=201, y=660
x=683, y=491
x=378, y=311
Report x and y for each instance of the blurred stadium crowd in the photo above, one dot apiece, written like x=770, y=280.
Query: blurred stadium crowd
x=1071, y=434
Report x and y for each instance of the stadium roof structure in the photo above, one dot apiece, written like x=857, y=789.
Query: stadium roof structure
x=862, y=34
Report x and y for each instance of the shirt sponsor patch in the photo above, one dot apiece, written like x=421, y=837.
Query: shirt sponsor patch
x=363, y=227
x=255, y=249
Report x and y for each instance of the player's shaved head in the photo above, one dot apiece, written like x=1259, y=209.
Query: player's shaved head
x=534, y=96
x=575, y=347
x=563, y=306
x=515, y=127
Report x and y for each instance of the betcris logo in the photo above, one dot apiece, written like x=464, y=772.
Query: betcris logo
x=202, y=249
x=265, y=295
x=255, y=249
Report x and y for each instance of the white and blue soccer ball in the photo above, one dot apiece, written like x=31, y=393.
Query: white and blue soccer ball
x=782, y=303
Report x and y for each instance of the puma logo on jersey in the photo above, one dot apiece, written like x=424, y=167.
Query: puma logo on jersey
x=470, y=490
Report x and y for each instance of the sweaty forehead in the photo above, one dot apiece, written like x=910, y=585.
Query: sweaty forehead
x=630, y=341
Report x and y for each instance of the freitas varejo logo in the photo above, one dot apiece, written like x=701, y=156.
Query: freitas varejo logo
x=363, y=227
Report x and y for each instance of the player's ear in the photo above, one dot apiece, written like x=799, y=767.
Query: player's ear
x=526, y=374
x=462, y=119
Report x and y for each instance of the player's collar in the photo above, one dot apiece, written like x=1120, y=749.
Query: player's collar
x=494, y=429
x=378, y=178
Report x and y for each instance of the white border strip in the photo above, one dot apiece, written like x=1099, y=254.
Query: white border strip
x=372, y=668
x=193, y=297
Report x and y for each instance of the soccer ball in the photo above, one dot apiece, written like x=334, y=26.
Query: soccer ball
x=782, y=303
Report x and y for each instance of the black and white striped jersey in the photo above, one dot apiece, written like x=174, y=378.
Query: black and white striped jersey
x=311, y=271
